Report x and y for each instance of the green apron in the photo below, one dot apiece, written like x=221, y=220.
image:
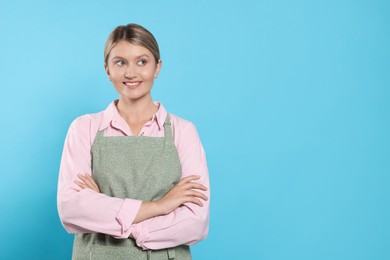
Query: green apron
x=137, y=167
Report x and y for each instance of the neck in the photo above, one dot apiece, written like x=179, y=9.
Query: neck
x=136, y=111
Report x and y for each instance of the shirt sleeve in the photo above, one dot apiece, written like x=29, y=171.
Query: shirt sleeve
x=84, y=210
x=189, y=223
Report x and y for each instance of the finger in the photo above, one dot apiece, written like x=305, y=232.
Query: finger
x=81, y=184
x=81, y=177
x=198, y=195
x=92, y=181
x=189, y=179
x=194, y=185
x=85, y=186
x=86, y=180
x=195, y=201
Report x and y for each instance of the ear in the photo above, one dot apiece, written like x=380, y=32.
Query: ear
x=107, y=71
x=158, y=68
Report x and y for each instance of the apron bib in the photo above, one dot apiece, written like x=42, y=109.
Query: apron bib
x=138, y=167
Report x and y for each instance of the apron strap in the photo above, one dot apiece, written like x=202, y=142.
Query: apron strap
x=168, y=128
x=99, y=134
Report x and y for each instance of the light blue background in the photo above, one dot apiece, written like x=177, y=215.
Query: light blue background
x=291, y=100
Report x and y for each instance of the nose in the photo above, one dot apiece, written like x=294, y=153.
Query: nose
x=130, y=76
x=130, y=72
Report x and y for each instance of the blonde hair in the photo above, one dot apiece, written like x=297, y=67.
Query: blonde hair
x=135, y=34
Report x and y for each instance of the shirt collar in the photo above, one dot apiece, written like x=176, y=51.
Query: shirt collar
x=160, y=115
x=111, y=114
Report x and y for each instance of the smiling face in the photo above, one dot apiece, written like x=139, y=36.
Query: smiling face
x=132, y=70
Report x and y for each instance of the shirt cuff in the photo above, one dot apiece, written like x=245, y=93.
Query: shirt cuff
x=126, y=216
x=141, y=234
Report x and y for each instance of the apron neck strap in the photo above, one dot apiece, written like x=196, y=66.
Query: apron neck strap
x=167, y=127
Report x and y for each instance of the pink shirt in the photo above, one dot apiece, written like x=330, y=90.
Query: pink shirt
x=86, y=211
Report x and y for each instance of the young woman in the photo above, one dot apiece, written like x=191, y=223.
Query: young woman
x=133, y=180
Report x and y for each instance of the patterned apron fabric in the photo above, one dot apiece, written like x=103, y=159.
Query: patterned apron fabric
x=137, y=167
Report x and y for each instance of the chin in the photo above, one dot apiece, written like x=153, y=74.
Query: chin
x=135, y=97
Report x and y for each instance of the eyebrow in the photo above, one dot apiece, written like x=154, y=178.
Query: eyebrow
x=139, y=56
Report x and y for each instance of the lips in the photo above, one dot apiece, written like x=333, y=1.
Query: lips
x=132, y=84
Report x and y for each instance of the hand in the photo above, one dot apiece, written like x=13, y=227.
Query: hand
x=183, y=192
x=87, y=182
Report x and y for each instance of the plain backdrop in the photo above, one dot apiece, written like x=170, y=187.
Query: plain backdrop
x=291, y=100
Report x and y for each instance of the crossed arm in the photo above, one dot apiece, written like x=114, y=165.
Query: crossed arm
x=185, y=191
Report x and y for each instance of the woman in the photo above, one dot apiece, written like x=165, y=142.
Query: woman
x=133, y=180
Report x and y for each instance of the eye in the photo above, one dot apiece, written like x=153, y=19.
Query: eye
x=142, y=62
x=120, y=62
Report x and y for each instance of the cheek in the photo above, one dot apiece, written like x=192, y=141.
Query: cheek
x=148, y=73
x=116, y=76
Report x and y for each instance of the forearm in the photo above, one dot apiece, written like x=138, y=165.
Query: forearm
x=188, y=224
x=186, y=191
x=147, y=210
x=87, y=211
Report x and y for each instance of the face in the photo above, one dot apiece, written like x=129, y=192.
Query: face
x=132, y=70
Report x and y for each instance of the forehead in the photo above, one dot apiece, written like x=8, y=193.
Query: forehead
x=129, y=50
